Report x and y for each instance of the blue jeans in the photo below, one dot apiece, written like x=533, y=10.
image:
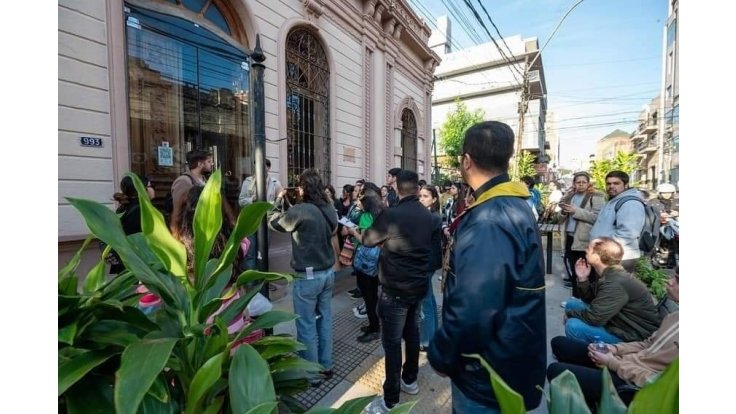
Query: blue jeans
x=313, y=297
x=399, y=320
x=577, y=329
x=464, y=405
x=429, y=315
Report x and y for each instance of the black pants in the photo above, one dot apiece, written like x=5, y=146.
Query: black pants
x=573, y=356
x=368, y=286
x=400, y=320
x=572, y=256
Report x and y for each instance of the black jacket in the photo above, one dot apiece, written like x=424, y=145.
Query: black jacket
x=494, y=298
x=406, y=234
x=435, y=253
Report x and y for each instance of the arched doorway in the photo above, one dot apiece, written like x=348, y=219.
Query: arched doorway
x=307, y=106
x=408, y=140
x=188, y=88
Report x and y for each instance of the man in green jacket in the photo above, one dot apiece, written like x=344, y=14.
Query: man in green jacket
x=617, y=307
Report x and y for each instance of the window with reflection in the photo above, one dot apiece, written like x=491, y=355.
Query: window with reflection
x=408, y=140
x=307, y=106
x=188, y=89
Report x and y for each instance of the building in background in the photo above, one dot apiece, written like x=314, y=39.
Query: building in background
x=616, y=141
x=552, y=137
x=483, y=79
x=348, y=87
x=645, y=142
x=669, y=126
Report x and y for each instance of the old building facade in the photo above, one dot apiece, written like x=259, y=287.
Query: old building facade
x=348, y=86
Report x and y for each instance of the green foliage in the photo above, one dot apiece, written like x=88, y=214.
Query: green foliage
x=452, y=131
x=623, y=161
x=114, y=358
x=565, y=396
x=523, y=166
x=655, y=279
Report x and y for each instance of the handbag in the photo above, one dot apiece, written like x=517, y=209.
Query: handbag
x=346, y=254
x=366, y=260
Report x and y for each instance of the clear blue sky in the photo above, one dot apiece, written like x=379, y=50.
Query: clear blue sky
x=603, y=64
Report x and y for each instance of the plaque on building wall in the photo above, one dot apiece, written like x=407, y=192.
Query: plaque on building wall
x=165, y=155
x=90, y=141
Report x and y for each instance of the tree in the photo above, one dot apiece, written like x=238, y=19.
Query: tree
x=525, y=166
x=623, y=161
x=452, y=131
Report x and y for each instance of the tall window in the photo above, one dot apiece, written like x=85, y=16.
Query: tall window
x=187, y=89
x=408, y=141
x=307, y=106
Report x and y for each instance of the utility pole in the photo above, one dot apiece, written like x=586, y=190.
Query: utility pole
x=523, y=105
x=258, y=115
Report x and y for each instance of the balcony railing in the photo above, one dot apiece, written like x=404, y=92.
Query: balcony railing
x=647, y=146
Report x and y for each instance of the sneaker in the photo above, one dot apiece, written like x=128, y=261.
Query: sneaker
x=412, y=389
x=377, y=406
x=360, y=312
x=423, y=348
x=356, y=295
x=369, y=337
x=353, y=291
x=327, y=375
x=563, y=304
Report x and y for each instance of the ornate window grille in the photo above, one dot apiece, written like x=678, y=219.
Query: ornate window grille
x=307, y=106
x=408, y=141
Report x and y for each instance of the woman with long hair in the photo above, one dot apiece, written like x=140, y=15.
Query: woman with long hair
x=429, y=198
x=312, y=224
x=384, y=195
x=370, y=206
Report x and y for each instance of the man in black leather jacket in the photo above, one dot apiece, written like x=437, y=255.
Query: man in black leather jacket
x=494, y=294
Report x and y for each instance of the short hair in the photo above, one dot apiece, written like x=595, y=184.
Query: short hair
x=490, y=145
x=580, y=174
x=394, y=172
x=609, y=250
x=407, y=182
x=619, y=174
x=194, y=157
x=529, y=180
x=268, y=163
x=422, y=182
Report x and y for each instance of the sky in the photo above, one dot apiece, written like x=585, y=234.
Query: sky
x=601, y=67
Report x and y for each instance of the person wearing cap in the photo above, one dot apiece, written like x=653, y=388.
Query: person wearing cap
x=580, y=208
x=668, y=208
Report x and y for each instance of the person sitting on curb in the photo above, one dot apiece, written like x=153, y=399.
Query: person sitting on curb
x=620, y=306
x=634, y=363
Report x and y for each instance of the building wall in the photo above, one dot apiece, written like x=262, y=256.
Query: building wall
x=608, y=147
x=355, y=34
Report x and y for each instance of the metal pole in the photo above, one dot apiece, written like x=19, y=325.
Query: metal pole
x=258, y=117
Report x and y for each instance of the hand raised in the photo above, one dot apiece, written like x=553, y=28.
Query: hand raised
x=582, y=270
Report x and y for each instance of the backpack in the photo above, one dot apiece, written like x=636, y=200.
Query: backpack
x=169, y=199
x=650, y=231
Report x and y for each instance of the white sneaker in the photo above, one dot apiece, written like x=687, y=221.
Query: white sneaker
x=412, y=389
x=563, y=303
x=360, y=312
x=377, y=406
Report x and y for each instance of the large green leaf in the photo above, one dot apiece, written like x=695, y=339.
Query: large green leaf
x=151, y=405
x=272, y=346
x=250, y=380
x=248, y=221
x=566, y=396
x=104, y=224
x=70, y=267
x=510, y=401
x=265, y=408
x=404, y=408
x=214, y=286
x=205, y=378
x=67, y=333
x=265, y=321
x=140, y=364
x=610, y=402
x=96, y=276
x=354, y=406
x=288, y=363
x=168, y=249
x=159, y=390
x=236, y=307
x=216, y=341
x=661, y=396
x=253, y=275
x=214, y=406
x=207, y=224
x=75, y=369
x=111, y=332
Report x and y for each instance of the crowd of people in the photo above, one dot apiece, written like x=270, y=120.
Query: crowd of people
x=479, y=237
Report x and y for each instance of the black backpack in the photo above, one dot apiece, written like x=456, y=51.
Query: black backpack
x=169, y=199
x=650, y=231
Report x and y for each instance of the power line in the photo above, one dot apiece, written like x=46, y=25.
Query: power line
x=497, y=31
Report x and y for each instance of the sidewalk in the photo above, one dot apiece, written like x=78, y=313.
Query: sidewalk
x=359, y=368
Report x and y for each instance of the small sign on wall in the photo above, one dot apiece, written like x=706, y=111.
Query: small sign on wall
x=90, y=141
x=165, y=155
